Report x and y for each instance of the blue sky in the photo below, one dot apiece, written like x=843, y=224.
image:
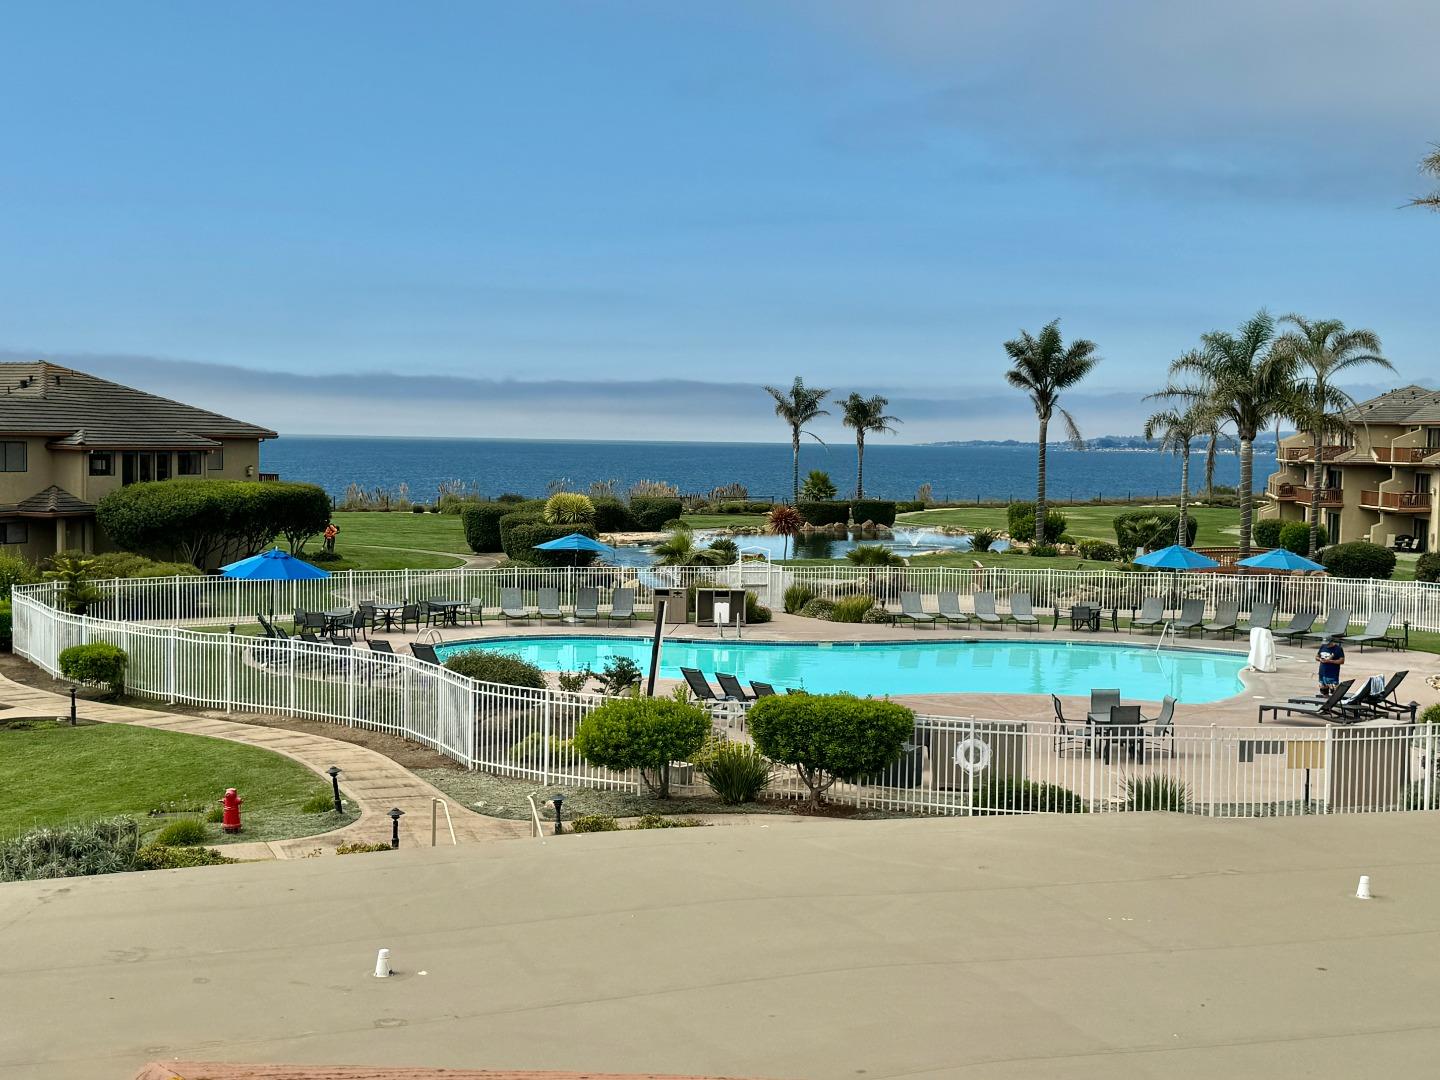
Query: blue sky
x=427, y=213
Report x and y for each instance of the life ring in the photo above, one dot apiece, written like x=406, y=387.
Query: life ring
x=972, y=755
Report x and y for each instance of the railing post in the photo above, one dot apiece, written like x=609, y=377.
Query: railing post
x=545, y=743
x=1212, y=768
x=1428, y=784
x=230, y=642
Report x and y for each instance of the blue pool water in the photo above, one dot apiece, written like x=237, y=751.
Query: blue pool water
x=907, y=667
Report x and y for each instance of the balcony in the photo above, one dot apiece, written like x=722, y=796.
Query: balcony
x=1403, y=455
x=1284, y=491
x=1307, y=453
x=1399, y=502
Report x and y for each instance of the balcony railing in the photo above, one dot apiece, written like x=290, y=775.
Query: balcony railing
x=1284, y=491
x=1307, y=453
x=1403, y=455
x=1406, y=502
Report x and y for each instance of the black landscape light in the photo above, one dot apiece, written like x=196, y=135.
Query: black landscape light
x=395, y=815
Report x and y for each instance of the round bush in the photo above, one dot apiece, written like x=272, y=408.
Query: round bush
x=1358, y=559
x=611, y=515
x=569, y=508
x=1266, y=532
x=819, y=608
x=1023, y=528
x=507, y=669
x=878, y=616
x=99, y=662
x=1295, y=536
x=830, y=737
x=1427, y=567
x=1098, y=550
x=756, y=612
x=183, y=833
x=645, y=734
x=651, y=512
x=1431, y=715
x=594, y=823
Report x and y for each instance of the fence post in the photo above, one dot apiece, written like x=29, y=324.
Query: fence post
x=545, y=738
x=1212, y=768
x=170, y=665
x=1428, y=785
x=230, y=640
x=1329, y=764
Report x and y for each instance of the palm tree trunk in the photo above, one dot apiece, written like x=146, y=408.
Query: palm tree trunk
x=1211, y=449
x=1040, y=484
x=859, y=464
x=1247, y=494
x=1184, y=532
x=1317, y=479
x=794, y=466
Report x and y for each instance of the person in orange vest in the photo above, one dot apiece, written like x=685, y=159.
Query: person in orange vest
x=331, y=531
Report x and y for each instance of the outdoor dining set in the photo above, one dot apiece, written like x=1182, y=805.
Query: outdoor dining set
x=1112, y=728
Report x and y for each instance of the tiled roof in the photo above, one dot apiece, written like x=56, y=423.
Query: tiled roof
x=1407, y=405
x=53, y=500
x=72, y=408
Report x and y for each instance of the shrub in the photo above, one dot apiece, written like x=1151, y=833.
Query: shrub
x=569, y=508
x=1151, y=529
x=183, y=833
x=611, y=515
x=159, y=856
x=824, y=513
x=1011, y=794
x=830, y=737
x=519, y=538
x=852, y=609
x=99, y=662
x=1431, y=715
x=651, y=512
x=95, y=847
x=1043, y=551
x=504, y=668
x=15, y=571
x=127, y=564
x=360, y=847
x=530, y=751
x=873, y=555
x=909, y=506
x=7, y=629
x=984, y=539
x=660, y=821
x=818, y=487
x=1098, y=550
x=1266, y=532
x=1023, y=527
x=880, y=511
x=755, y=612
x=73, y=571
x=1358, y=559
x=1295, y=536
x=1156, y=793
x=481, y=523
x=796, y=597
x=818, y=608
x=322, y=802
x=645, y=734
x=619, y=674
x=878, y=616
x=736, y=772
x=1427, y=567
x=573, y=682
x=418, y=508
x=594, y=823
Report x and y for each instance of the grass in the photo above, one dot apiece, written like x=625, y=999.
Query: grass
x=372, y=540
x=59, y=775
x=723, y=521
x=1219, y=526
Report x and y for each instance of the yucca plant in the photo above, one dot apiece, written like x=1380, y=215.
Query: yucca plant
x=736, y=772
x=96, y=847
x=796, y=597
x=1156, y=793
x=852, y=609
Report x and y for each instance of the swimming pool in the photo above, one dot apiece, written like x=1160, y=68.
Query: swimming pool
x=906, y=667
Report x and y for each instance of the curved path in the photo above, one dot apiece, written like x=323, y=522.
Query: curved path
x=372, y=780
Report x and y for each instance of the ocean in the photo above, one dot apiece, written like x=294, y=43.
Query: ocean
x=527, y=467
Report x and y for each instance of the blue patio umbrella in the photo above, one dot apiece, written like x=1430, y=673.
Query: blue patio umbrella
x=1280, y=559
x=576, y=543
x=1176, y=557
x=273, y=565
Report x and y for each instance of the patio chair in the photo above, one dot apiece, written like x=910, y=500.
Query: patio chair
x=1125, y=730
x=1164, y=725
x=1101, y=702
x=912, y=610
x=381, y=647
x=547, y=602
x=1299, y=626
x=1022, y=611
x=1069, y=736
x=950, y=613
x=1261, y=616
x=622, y=606
x=731, y=685
x=342, y=628
x=1192, y=617
x=1388, y=703
x=1377, y=628
x=315, y=622
x=1327, y=709
x=587, y=604
x=512, y=607
x=1227, y=615
x=421, y=651
x=1151, y=614
x=1336, y=623
x=701, y=688
x=762, y=689
x=299, y=621
x=409, y=613
x=366, y=619
x=985, y=609
x=474, y=611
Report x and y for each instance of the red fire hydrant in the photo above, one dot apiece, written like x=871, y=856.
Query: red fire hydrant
x=230, y=820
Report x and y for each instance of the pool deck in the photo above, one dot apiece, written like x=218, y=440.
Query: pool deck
x=1294, y=676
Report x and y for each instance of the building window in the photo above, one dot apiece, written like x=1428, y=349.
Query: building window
x=102, y=465
x=217, y=460
x=141, y=468
x=12, y=457
x=189, y=463
x=14, y=532
x=162, y=466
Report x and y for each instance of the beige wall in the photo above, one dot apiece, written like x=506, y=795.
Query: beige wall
x=38, y=475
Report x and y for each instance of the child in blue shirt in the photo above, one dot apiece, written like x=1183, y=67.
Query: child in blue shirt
x=1331, y=656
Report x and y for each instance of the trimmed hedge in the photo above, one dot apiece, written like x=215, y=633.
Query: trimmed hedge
x=830, y=737
x=1151, y=529
x=824, y=513
x=98, y=662
x=1358, y=560
x=880, y=511
x=1427, y=567
x=1266, y=532
x=497, y=667
x=481, y=523
x=520, y=533
x=611, y=515
x=653, y=512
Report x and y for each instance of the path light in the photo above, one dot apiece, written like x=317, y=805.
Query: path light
x=558, y=800
x=395, y=815
x=72, y=706
x=335, y=783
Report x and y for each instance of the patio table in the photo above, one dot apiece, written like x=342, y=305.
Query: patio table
x=334, y=615
x=387, y=612
x=449, y=610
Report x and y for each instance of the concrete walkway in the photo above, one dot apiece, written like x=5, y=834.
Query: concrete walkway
x=370, y=779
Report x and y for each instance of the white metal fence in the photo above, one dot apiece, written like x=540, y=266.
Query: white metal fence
x=951, y=766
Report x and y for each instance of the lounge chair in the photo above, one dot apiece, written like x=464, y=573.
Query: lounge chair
x=421, y=651
x=512, y=607
x=381, y=647
x=622, y=606
x=762, y=689
x=1226, y=616
x=731, y=685
x=950, y=613
x=1068, y=736
x=701, y=688
x=1261, y=617
x=1101, y=702
x=912, y=609
x=1164, y=725
x=1299, y=626
x=1022, y=611
x=1192, y=617
x=1328, y=709
x=547, y=602
x=1387, y=702
x=587, y=604
x=1151, y=614
x=1377, y=628
x=1336, y=623
x=985, y=609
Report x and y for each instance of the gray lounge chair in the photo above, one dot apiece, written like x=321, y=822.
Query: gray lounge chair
x=587, y=604
x=622, y=606
x=1192, y=616
x=1336, y=623
x=762, y=689
x=911, y=609
x=421, y=651
x=1022, y=611
x=1262, y=616
x=1226, y=617
x=731, y=685
x=985, y=609
x=950, y=613
x=1377, y=628
x=1328, y=709
x=701, y=688
x=1151, y=614
x=512, y=607
x=547, y=603
x=1299, y=626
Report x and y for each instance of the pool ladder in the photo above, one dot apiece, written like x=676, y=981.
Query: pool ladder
x=1168, y=628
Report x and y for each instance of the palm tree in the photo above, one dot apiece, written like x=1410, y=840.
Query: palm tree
x=797, y=407
x=865, y=414
x=680, y=549
x=1177, y=429
x=1241, y=380
x=1322, y=351
x=1043, y=366
x=784, y=521
x=1430, y=163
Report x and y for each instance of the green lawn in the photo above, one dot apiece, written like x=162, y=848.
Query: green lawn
x=371, y=540
x=723, y=521
x=55, y=775
x=1219, y=526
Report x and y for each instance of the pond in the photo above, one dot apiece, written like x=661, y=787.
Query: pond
x=814, y=546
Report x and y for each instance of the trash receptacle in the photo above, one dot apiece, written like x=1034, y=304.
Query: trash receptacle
x=675, y=606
